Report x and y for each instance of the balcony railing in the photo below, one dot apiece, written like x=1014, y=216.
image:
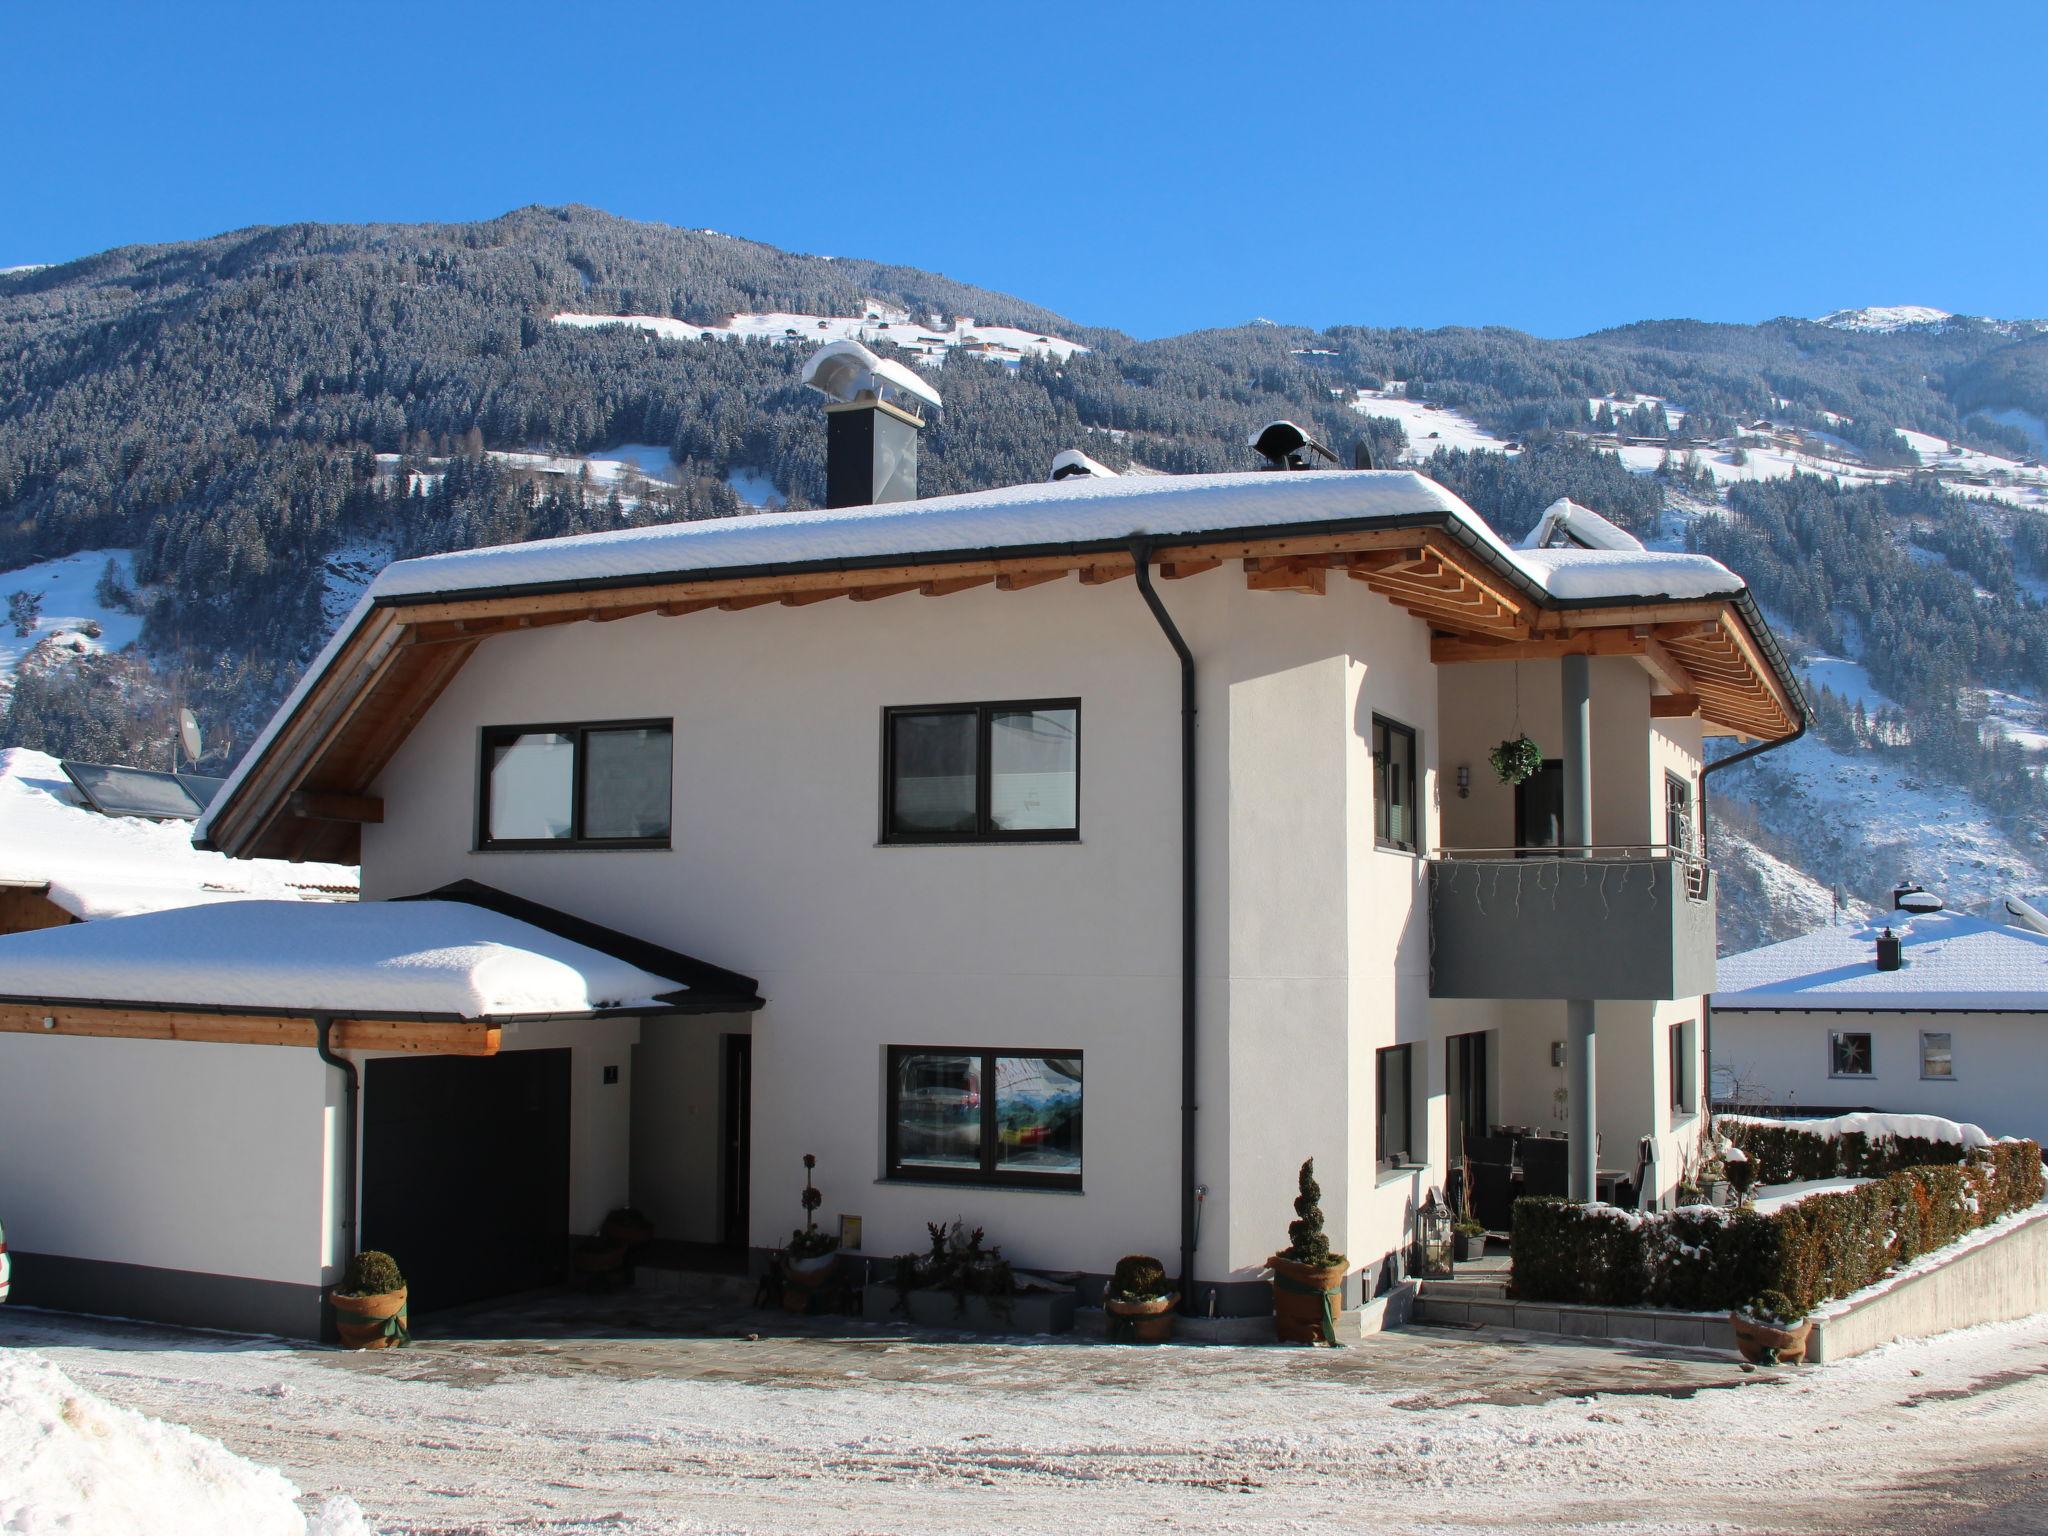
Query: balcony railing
x=1595, y=922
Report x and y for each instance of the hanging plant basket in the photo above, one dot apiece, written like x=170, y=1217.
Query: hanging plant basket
x=1516, y=759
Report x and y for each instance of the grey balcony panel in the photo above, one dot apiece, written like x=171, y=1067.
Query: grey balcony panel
x=1600, y=928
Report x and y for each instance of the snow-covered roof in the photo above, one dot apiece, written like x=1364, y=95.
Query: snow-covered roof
x=1953, y=963
x=433, y=958
x=1048, y=514
x=1565, y=519
x=98, y=866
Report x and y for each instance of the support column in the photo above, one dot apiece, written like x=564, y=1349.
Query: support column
x=1577, y=674
x=1581, y=1072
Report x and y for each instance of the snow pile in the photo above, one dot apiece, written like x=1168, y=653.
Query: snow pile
x=1564, y=522
x=443, y=958
x=1776, y=1197
x=1874, y=1124
x=114, y=866
x=75, y=1464
x=1953, y=962
x=70, y=618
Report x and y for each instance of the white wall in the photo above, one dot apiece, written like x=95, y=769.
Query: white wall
x=2000, y=1081
x=217, y=1159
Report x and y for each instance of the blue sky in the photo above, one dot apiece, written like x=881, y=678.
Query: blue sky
x=1158, y=168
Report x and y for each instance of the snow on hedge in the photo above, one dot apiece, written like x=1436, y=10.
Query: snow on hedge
x=443, y=958
x=1874, y=1124
x=114, y=866
x=75, y=1464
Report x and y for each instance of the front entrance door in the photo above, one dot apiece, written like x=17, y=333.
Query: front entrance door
x=736, y=1116
x=1539, y=807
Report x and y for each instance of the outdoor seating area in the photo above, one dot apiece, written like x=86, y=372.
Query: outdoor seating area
x=1513, y=1161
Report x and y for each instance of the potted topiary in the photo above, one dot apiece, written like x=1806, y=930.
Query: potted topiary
x=369, y=1304
x=1139, y=1301
x=1771, y=1330
x=627, y=1227
x=1308, y=1279
x=811, y=1254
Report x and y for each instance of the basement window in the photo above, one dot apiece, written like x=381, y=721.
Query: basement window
x=965, y=1115
x=1849, y=1053
x=1393, y=784
x=575, y=786
x=1937, y=1055
x=982, y=773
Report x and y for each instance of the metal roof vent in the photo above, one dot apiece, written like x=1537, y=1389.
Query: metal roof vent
x=871, y=424
x=1912, y=898
x=1073, y=464
x=1890, y=953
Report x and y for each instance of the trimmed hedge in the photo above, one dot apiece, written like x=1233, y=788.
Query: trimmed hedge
x=1784, y=1154
x=1702, y=1259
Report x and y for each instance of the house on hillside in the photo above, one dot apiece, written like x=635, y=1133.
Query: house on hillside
x=1922, y=1011
x=1102, y=848
x=86, y=841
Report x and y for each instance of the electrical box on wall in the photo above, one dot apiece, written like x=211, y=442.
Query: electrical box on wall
x=1557, y=1053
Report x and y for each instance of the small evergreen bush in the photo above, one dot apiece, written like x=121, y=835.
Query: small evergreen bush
x=1306, y=1244
x=1139, y=1277
x=372, y=1274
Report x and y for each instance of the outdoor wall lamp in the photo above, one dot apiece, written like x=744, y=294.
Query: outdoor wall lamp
x=1464, y=781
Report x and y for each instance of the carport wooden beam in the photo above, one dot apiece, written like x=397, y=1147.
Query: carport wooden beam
x=453, y=1037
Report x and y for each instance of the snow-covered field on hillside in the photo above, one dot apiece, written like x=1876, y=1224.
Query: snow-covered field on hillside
x=1437, y=1430
x=930, y=339
x=1429, y=427
x=69, y=610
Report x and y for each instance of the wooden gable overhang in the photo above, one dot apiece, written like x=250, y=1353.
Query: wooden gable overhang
x=308, y=792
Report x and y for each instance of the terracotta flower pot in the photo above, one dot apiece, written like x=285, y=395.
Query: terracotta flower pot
x=1141, y=1322
x=371, y=1322
x=1306, y=1300
x=1761, y=1344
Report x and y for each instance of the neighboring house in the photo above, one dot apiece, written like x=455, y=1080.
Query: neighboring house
x=1959, y=1028
x=63, y=861
x=922, y=768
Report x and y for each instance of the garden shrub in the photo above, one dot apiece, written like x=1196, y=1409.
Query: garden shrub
x=1699, y=1259
x=1785, y=1154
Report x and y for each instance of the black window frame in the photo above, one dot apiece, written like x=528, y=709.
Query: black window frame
x=1393, y=727
x=1380, y=1062
x=988, y=1175
x=493, y=736
x=1680, y=1048
x=1869, y=1039
x=1678, y=804
x=985, y=830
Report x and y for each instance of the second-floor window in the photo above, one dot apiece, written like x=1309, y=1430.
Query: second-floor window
x=1393, y=784
x=1677, y=814
x=575, y=786
x=982, y=773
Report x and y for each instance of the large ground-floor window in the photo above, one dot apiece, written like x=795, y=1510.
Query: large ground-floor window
x=1396, y=1100
x=973, y=1116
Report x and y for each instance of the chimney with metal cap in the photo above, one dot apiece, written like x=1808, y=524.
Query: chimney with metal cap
x=1890, y=954
x=871, y=424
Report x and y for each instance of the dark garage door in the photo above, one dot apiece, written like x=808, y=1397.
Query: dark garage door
x=466, y=1172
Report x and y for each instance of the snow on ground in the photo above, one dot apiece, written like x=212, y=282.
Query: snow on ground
x=110, y=866
x=1845, y=678
x=69, y=609
x=1884, y=317
x=1673, y=414
x=347, y=575
x=1429, y=427
x=1975, y=473
x=75, y=1464
x=929, y=338
x=753, y=487
x=1424, y=1429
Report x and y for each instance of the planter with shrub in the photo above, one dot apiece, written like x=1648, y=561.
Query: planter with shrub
x=810, y=1259
x=1140, y=1301
x=628, y=1228
x=962, y=1281
x=369, y=1304
x=1468, y=1241
x=1308, y=1279
x=1770, y=1330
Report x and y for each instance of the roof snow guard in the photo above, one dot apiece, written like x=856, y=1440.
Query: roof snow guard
x=303, y=790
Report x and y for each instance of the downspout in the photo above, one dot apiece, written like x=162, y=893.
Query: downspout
x=1141, y=551
x=323, y=1023
x=1707, y=1008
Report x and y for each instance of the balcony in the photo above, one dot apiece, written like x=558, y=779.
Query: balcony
x=1594, y=923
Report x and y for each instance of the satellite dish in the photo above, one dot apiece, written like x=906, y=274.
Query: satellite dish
x=1073, y=464
x=188, y=734
x=1286, y=446
x=846, y=370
